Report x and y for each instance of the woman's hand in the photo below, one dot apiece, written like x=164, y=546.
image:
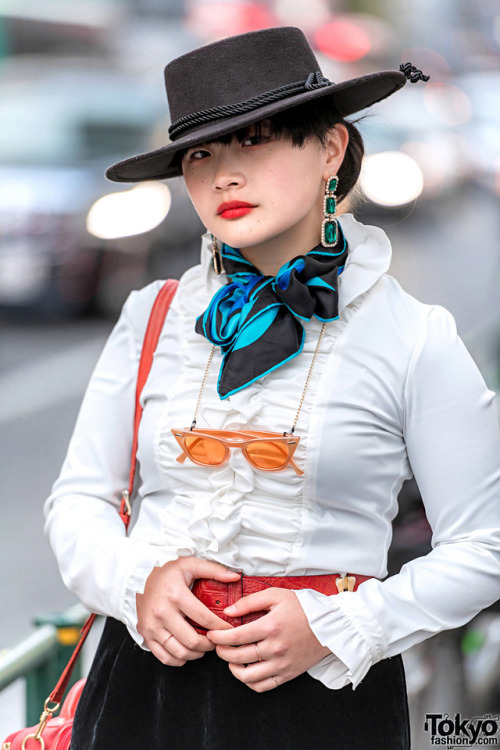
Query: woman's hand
x=167, y=600
x=282, y=639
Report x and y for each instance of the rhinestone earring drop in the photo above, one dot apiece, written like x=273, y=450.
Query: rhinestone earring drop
x=216, y=257
x=329, y=233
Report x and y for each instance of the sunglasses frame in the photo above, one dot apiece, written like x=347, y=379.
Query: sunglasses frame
x=238, y=439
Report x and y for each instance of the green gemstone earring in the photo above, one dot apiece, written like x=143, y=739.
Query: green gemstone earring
x=329, y=233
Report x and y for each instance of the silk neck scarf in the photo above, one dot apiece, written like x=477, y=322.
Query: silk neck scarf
x=255, y=319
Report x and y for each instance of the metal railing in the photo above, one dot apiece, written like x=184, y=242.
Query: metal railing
x=41, y=657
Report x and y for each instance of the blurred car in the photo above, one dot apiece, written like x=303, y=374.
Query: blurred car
x=61, y=126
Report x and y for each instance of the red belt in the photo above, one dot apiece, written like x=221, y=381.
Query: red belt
x=217, y=595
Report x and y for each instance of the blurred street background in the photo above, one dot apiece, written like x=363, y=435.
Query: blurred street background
x=81, y=87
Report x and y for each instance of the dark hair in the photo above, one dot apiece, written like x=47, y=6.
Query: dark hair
x=302, y=123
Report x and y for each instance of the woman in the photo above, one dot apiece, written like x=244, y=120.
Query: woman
x=289, y=326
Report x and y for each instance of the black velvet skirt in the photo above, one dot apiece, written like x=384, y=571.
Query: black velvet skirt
x=133, y=702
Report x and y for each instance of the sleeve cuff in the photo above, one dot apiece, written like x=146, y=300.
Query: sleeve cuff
x=344, y=625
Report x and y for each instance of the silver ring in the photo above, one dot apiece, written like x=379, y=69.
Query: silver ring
x=258, y=652
x=166, y=640
x=276, y=681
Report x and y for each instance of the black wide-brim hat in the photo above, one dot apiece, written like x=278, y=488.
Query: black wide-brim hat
x=227, y=85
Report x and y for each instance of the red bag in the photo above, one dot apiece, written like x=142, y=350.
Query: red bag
x=56, y=730
x=54, y=733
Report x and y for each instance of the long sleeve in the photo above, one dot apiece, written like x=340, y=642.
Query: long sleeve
x=102, y=566
x=453, y=446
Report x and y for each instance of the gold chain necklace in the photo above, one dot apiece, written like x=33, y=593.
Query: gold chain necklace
x=290, y=432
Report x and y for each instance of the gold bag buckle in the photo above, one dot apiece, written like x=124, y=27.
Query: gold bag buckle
x=345, y=583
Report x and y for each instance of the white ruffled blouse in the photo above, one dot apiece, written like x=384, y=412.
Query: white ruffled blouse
x=393, y=392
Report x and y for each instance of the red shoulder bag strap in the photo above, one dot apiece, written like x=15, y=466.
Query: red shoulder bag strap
x=152, y=335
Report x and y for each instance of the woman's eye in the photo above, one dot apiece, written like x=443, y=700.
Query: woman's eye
x=196, y=155
x=255, y=140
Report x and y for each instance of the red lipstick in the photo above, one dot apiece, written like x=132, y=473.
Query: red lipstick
x=234, y=209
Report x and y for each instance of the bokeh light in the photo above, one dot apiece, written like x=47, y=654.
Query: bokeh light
x=391, y=178
x=343, y=39
x=213, y=19
x=129, y=212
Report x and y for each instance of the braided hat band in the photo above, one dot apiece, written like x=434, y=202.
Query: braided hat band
x=313, y=81
x=230, y=84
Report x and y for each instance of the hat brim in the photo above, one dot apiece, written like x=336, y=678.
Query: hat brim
x=347, y=97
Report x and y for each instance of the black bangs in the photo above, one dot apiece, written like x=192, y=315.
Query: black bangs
x=263, y=127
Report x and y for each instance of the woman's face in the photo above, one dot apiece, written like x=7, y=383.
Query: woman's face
x=280, y=185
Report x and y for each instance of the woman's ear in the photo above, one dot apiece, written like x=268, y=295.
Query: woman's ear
x=337, y=139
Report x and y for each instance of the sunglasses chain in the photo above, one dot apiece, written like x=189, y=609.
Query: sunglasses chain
x=203, y=383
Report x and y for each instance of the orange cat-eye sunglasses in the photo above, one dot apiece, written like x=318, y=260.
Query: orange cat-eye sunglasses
x=267, y=451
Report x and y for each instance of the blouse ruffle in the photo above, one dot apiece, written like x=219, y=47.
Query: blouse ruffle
x=217, y=513
x=221, y=510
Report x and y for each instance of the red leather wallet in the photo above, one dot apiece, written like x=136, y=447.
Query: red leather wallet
x=217, y=595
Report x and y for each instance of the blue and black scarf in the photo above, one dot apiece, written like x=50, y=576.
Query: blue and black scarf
x=255, y=319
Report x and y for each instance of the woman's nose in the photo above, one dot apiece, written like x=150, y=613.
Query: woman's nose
x=227, y=173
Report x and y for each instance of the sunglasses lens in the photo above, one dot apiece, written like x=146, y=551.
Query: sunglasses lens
x=267, y=455
x=204, y=450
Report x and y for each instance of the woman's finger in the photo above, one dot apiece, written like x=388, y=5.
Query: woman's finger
x=196, y=568
x=199, y=613
x=263, y=686
x=252, y=632
x=241, y=654
x=256, y=602
x=164, y=643
x=174, y=622
x=164, y=656
x=254, y=673
x=176, y=649
x=270, y=683
x=187, y=635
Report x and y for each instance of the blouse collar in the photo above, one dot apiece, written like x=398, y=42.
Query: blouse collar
x=369, y=258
